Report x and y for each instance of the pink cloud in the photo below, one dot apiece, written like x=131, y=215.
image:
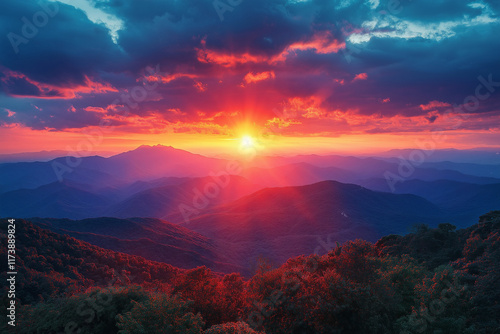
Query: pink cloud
x=200, y=86
x=360, y=76
x=250, y=77
x=433, y=105
x=48, y=91
x=321, y=43
x=10, y=113
x=170, y=77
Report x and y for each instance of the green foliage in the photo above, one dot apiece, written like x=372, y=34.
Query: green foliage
x=92, y=312
x=480, y=269
x=419, y=228
x=433, y=247
x=401, y=275
x=160, y=314
x=441, y=305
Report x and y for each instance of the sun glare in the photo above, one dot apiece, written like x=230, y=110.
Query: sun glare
x=247, y=142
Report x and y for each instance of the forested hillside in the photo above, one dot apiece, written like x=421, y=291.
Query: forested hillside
x=430, y=281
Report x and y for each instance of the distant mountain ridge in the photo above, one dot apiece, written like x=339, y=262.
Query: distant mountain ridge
x=144, y=163
x=157, y=198
x=272, y=222
x=147, y=163
x=163, y=202
x=178, y=186
x=277, y=222
x=150, y=238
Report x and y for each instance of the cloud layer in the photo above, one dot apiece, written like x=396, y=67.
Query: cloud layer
x=316, y=67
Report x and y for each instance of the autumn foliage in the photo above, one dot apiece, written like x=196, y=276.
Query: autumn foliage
x=434, y=280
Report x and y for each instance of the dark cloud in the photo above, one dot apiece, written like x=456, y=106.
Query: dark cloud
x=19, y=86
x=407, y=59
x=62, y=51
x=429, y=10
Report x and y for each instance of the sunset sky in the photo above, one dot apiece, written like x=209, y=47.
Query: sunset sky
x=294, y=76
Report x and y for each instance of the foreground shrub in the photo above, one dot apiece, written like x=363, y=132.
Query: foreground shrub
x=231, y=328
x=161, y=314
x=93, y=312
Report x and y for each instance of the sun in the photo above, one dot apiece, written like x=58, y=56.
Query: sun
x=247, y=142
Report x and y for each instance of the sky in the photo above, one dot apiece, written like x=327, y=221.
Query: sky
x=295, y=76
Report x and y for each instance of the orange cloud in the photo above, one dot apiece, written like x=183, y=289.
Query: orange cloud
x=205, y=55
x=177, y=112
x=221, y=115
x=227, y=60
x=305, y=107
x=170, y=77
x=200, y=86
x=48, y=91
x=321, y=43
x=433, y=105
x=99, y=110
x=278, y=123
x=360, y=76
x=250, y=77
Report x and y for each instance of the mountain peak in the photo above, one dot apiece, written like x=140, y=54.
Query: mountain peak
x=150, y=149
x=158, y=146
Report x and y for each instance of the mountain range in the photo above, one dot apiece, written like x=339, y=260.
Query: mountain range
x=186, y=209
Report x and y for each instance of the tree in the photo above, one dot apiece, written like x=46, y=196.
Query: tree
x=92, y=312
x=160, y=314
x=447, y=227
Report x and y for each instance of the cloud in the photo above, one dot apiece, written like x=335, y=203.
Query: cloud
x=434, y=105
x=339, y=65
x=360, y=76
x=19, y=85
x=64, y=51
x=321, y=43
x=250, y=77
